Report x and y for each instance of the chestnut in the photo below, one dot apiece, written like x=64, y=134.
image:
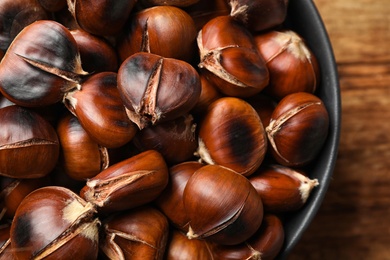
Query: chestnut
x=53, y=5
x=41, y=64
x=5, y=242
x=170, y=201
x=167, y=31
x=229, y=55
x=140, y=233
x=155, y=89
x=291, y=64
x=177, y=3
x=56, y=223
x=180, y=247
x=231, y=134
x=175, y=139
x=29, y=146
x=265, y=244
x=133, y=182
x=99, y=109
x=97, y=54
x=281, y=188
x=298, y=129
x=104, y=18
x=259, y=15
x=223, y=207
x=15, y=15
x=81, y=157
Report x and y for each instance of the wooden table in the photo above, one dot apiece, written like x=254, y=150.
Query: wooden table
x=354, y=219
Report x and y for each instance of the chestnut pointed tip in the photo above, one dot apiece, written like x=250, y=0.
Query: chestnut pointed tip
x=190, y=234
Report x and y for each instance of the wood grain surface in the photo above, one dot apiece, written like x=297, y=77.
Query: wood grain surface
x=354, y=219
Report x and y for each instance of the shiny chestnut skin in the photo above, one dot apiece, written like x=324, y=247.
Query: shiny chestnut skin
x=231, y=134
x=99, y=109
x=128, y=184
x=13, y=191
x=29, y=146
x=104, y=18
x=140, y=233
x=259, y=15
x=292, y=65
x=81, y=157
x=298, y=129
x=281, y=188
x=180, y=247
x=54, y=223
x=167, y=31
x=155, y=89
x=41, y=64
x=229, y=56
x=170, y=201
x=97, y=54
x=175, y=140
x=15, y=15
x=265, y=244
x=223, y=207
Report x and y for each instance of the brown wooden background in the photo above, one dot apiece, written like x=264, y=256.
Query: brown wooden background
x=354, y=219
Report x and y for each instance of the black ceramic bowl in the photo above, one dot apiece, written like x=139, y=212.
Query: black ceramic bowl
x=304, y=18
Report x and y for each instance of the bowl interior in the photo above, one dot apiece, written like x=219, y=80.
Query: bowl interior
x=304, y=18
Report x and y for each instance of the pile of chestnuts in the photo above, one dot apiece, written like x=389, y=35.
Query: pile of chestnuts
x=148, y=129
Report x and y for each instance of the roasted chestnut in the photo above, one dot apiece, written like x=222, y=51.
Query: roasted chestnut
x=231, y=134
x=56, y=223
x=140, y=233
x=29, y=146
x=128, y=184
x=167, y=31
x=156, y=89
x=229, y=55
x=298, y=129
x=41, y=64
x=223, y=207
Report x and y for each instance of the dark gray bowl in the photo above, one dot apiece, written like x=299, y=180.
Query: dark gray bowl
x=304, y=18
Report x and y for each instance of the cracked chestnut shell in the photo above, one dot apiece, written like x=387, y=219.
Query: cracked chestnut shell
x=54, y=223
x=229, y=56
x=29, y=146
x=140, y=233
x=298, y=129
x=167, y=31
x=156, y=89
x=231, y=134
x=223, y=207
x=41, y=64
x=133, y=182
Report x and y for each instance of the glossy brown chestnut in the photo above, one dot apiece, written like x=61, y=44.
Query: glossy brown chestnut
x=41, y=64
x=104, y=18
x=167, y=31
x=170, y=201
x=229, y=55
x=291, y=64
x=265, y=244
x=54, y=223
x=156, y=89
x=298, y=129
x=29, y=146
x=81, y=157
x=141, y=233
x=99, y=109
x=128, y=184
x=231, y=134
x=259, y=15
x=180, y=247
x=222, y=205
x=15, y=15
x=13, y=191
x=282, y=188
x=97, y=54
x=175, y=139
